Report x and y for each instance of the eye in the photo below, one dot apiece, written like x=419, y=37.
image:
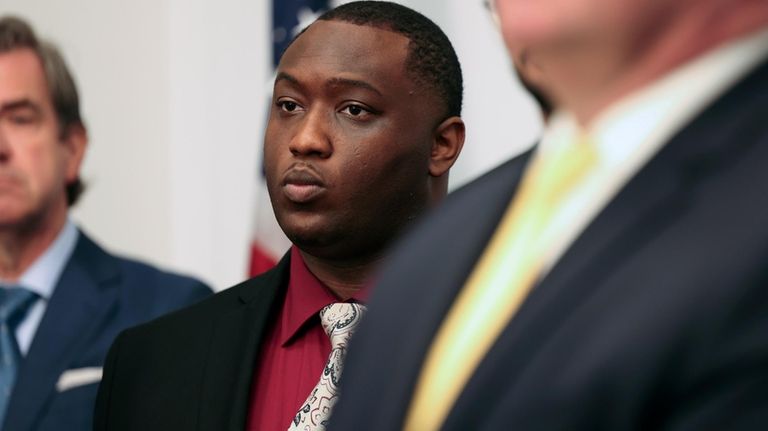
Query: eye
x=21, y=119
x=356, y=111
x=288, y=106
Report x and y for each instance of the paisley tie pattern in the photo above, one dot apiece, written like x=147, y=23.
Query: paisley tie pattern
x=339, y=321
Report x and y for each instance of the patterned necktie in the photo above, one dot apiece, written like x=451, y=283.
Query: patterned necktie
x=339, y=321
x=505, y=273
x=14, y=303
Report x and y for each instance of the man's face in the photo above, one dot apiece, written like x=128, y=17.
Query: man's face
x=348, y=142
x=35, y=164
x=582, y=47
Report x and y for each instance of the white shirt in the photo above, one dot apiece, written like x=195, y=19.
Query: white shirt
x=42, y=277
x=631, y=131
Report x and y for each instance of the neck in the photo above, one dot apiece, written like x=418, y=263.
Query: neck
x=592, y=81
x=344, y=278
x=21, y=246
x=438, y=190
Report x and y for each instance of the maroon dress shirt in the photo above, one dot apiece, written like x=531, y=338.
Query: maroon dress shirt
x=294, y=351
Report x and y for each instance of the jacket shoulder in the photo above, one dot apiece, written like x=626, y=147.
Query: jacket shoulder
x=143, y=287
x=203, y=313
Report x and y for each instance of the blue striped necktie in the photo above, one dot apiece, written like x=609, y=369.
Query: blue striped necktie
x=14, y=304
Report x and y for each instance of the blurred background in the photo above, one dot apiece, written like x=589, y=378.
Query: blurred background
x=175, y=97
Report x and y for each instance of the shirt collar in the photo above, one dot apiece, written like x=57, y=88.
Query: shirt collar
x=43, y=275
x=305, y=297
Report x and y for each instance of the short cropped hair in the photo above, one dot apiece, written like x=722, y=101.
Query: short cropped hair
x=431, y=60
x=15, y=34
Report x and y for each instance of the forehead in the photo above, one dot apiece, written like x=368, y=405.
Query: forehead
x=334, y=48
x=21, y=75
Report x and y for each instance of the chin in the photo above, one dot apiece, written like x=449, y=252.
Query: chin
x=11, y=214
x=16, y=224
x=302, y=225
x=321, y=243
x=300, y=232
x=307, y=240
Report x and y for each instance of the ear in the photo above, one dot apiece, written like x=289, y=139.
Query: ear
x=447, y=144
x=75, y=141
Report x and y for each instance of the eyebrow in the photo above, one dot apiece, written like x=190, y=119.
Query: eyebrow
x=333, y=82
x=19, y=104
x=345, y=82
x=282, y=76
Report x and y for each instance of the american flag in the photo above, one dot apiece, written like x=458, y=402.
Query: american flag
x=289, y=17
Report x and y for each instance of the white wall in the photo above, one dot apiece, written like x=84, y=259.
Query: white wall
x=173, y=93
x=219, y=67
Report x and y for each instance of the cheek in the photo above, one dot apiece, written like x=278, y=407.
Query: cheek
x=382, y=151
x=39, y=155
x=272, y=150
x=527, y=23
x=393, y=169
x=42, y=161
x=40, y=172
x=50, y=165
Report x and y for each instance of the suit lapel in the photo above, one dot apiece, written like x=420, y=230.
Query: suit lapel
x=81, y=301
x=237, y=336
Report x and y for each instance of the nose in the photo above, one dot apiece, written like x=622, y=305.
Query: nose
x=312, y=138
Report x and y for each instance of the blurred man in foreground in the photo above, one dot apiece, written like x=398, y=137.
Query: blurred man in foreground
x=363, y=130
x=612, y=278
x=62, y=298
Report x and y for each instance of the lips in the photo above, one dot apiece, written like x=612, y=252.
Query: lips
x=302, y=185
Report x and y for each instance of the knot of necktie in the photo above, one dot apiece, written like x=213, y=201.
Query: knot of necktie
x=340, y=320
x=14, y=302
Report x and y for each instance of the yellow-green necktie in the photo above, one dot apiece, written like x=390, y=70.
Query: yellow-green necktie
x=505, y=273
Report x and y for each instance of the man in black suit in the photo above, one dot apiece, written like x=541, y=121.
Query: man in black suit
x=63, y=299
x=638, y=300
x=363, y=129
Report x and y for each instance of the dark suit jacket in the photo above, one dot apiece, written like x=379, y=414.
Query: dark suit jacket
x=97, y=296
x=655, y=318
x=191, y=370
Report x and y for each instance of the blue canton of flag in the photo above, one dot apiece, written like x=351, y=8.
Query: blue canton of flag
x=289, y=17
